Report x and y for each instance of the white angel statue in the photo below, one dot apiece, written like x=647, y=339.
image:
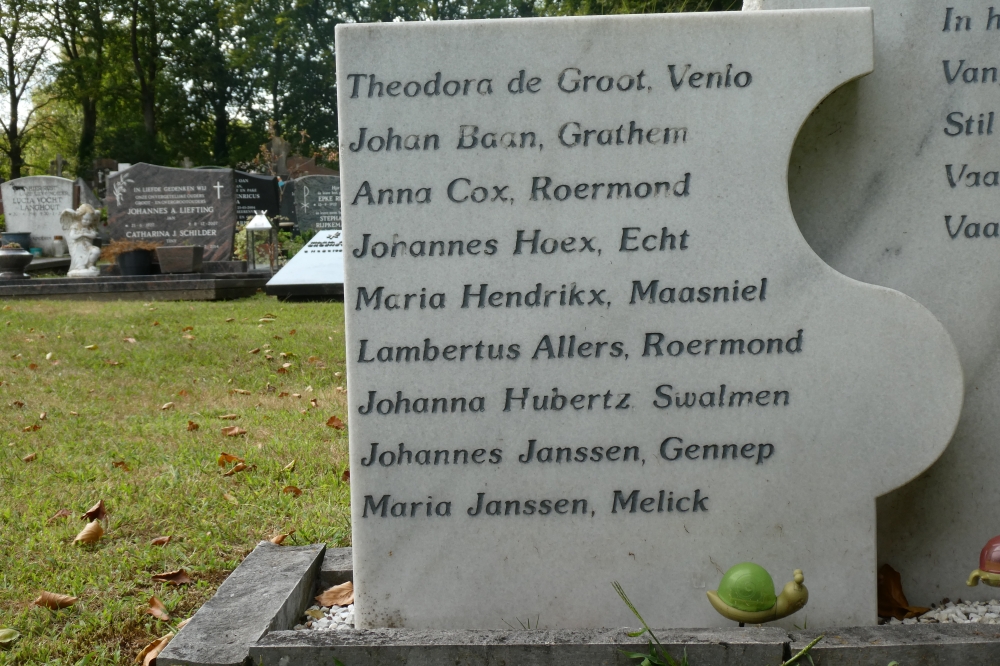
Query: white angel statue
x=81, y=228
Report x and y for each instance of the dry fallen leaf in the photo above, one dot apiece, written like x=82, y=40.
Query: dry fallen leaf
x=158, y=610
x=17, y=403
x=291, y=490
x=156, y=323
x=54, y=601
x=183, y=624
x=192, y=425
x=229, y=498
x=241, y=391
x=314, y=402
x=30, y=457
x=167, y=406
x=238, y=467
x=188, y=337
x=268, y=357
x=131, y=341
x=290, y=467
x=233, y=431
x=278, y=539
x=92, y=533
x=179, y=577
x=96, y=512
x=282, y=370
x=31, y=428
x=43, y=416
x=32, y=366
x=296, y=395
x=225, y=458
x=891, y=599
x=346, y=476
x=229, y=417
x=74, y=414
x=122, y=465
x=187, y=328
x=337, y=374
x=231, y=319
x=111, y=361
x=61, y=513
x=254, y=351
x=334, y=422
x=91, y=347
x=182, y=393
x=338, y=595
x=291, y=332
x=283, y=394
x=315, y=614
x=149, y=653
x=313, y=359
x=160, y=541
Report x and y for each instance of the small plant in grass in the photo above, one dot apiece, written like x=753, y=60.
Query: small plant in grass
x=658, y=656
x=527, y=626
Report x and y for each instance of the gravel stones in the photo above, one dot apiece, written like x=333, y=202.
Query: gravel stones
x=973, y=612
x=327, y=618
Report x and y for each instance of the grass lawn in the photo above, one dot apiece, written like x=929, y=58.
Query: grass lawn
x=105, y=405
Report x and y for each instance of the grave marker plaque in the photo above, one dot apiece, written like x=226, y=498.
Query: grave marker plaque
x=255, y=192
x=586, y=342
x=33, y=204
x=894, y=180
x=174, y=207
x=317, y=202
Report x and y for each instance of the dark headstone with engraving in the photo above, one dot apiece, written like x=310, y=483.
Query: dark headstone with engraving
x=174, y=207
x=256, y=192
x=317, y=202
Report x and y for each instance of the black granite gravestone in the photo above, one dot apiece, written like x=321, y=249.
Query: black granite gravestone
x=317, y=202
x=174, y=207
x=256, y=192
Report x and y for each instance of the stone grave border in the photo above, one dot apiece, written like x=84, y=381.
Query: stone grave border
x=171, y=287
x=248, y=622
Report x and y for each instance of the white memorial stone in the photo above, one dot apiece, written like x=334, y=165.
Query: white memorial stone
x=33, y=205
x=894, y=180
x=314, y=270
x=586, y=342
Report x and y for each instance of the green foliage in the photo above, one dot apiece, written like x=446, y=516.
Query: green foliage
x=210, y=80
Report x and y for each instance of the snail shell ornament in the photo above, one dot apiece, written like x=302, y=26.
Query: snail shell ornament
x=989, y=565
x=746, y=595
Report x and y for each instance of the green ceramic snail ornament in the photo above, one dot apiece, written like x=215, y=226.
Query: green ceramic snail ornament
x=746, y=594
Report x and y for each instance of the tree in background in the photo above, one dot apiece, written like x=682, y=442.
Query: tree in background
x=209, y=80
x=80, y=30
x=23, y=47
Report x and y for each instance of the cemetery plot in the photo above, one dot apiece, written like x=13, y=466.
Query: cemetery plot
x=576, y=361
x=317, y=202
x=894, y=181
x=174, y=207
x=256, y=192
x=33, y=204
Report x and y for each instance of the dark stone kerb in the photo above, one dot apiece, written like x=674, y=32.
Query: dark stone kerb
x=269, y=591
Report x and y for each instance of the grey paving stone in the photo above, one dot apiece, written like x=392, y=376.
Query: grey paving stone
x=913, y=645
x=269, y=591
x=337, y=568
x=599, y=647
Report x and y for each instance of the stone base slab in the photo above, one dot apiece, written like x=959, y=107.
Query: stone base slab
x=175, y=287
x=249, y=621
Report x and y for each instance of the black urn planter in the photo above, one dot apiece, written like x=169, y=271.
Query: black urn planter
x=135, y=262
x=13, y=262
x=180, y=258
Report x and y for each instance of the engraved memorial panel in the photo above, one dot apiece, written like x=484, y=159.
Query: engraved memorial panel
x=586, y=342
